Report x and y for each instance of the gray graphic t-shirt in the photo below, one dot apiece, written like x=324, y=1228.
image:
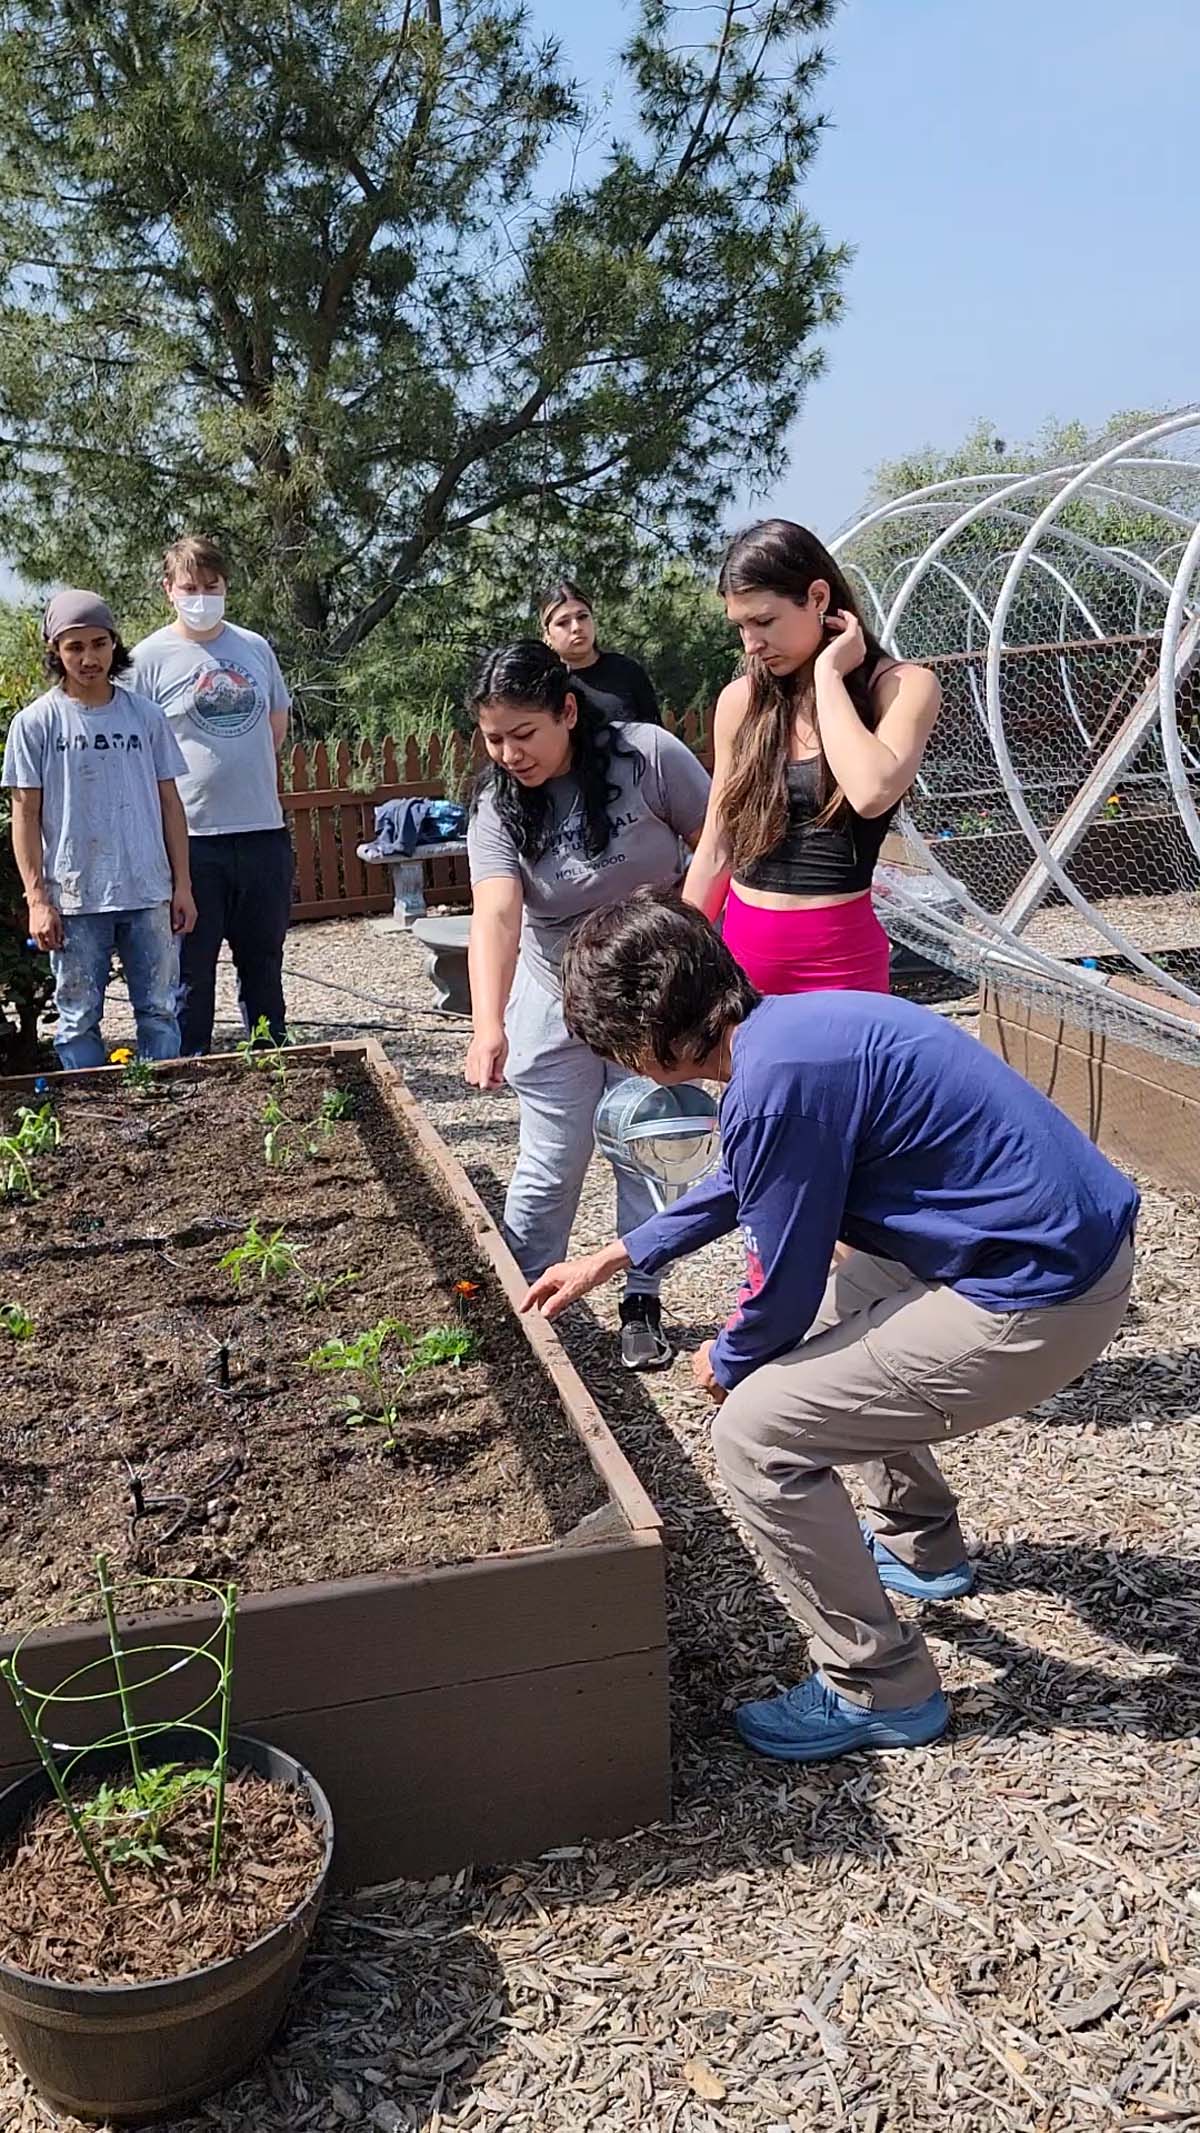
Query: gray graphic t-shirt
x=217, y=697
x=98, y=771
x=662, y=799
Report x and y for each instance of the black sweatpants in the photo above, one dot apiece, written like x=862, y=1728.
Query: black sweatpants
x=242, y=883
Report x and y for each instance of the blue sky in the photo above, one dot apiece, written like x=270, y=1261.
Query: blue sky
x=1019, y=180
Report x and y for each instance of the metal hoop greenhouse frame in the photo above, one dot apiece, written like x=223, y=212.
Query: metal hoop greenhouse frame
x=941, y=515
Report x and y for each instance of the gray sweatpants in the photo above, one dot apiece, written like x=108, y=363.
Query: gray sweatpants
x=558, y=1084
x=892, y=1368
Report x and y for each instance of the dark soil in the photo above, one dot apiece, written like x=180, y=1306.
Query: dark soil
x=170, y=1918
x=116, y=1402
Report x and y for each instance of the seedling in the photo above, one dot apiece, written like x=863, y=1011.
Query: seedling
x=138, y=1078
x=442, y=1344
x=116, y=1824
x=15, y=1321
x=272, y=1258
x=35, y=1133
x=38, y=1132
x=127, y=1821
x=277, y=1146
x=285, y=1136
x=364, y=1354
x=263, y=1051
x=16, y=1178
x=321, y=1291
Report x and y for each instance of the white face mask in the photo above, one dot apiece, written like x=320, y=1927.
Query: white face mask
x=199, y=610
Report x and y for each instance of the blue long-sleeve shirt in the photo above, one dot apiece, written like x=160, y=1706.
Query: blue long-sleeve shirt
x=860, y=1117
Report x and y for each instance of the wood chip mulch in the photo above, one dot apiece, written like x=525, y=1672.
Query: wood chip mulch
x=168, y=1918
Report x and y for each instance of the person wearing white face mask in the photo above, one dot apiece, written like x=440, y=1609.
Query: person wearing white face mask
x=228, y=704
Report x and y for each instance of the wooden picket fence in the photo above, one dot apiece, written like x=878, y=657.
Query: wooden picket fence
x=329, y=795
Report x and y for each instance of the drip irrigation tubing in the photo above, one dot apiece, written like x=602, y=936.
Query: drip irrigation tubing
x=368, y=999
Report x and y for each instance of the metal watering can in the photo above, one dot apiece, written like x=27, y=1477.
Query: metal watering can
x=671, y=1137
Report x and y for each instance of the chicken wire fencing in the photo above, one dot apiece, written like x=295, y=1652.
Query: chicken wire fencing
x=1051, y=844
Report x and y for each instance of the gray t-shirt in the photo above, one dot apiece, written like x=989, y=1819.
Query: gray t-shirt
x=217, y=697
x=99, y=772
x=662, y=798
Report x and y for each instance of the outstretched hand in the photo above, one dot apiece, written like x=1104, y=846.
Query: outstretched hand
x=572, y=1278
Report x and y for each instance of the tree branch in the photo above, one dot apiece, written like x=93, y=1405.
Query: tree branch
x=489, y=438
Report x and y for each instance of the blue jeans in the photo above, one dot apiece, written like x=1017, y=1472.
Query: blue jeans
x=149, y=953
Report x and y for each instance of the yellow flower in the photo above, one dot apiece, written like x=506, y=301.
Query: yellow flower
x=121, y=1056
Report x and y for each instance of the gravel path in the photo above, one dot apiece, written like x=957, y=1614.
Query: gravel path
x=1002, y=1931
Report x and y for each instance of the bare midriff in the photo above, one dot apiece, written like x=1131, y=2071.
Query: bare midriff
x=775, y=900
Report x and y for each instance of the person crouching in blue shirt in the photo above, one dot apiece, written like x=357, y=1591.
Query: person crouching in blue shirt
x=991, y=1262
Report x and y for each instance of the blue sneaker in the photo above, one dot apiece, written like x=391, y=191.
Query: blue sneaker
x=812, y=1723
x=896, y=1576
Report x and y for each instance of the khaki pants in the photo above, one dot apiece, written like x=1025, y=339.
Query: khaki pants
x=892, y=1369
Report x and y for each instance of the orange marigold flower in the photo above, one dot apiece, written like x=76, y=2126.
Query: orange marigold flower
x=466, y=1288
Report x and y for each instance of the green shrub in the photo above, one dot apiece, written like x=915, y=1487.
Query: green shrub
x=26, y=985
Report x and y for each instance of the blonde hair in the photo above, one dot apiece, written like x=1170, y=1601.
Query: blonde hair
x=194, y=552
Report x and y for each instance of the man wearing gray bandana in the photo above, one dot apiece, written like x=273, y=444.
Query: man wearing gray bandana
x=99, y=834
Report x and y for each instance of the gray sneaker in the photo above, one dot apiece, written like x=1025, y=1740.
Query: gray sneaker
x=644, y=1345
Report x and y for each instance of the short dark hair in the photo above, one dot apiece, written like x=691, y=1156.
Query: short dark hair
x=650, y=977
x=122, y=660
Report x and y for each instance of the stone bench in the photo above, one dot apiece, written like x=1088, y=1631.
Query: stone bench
x=408, y=880
x=445, y=943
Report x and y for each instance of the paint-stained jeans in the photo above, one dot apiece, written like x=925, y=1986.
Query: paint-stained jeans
x=149, y=956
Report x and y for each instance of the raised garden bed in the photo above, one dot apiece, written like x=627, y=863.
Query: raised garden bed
x=455, y=1620
x=1143, y=1110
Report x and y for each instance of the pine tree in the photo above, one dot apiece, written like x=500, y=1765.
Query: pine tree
x=290, y=272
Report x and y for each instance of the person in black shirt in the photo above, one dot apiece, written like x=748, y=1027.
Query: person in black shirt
x=620, y=686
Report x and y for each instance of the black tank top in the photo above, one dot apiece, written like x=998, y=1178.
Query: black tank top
x=835, y=859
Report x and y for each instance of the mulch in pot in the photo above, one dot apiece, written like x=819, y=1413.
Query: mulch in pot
x=169, y=1919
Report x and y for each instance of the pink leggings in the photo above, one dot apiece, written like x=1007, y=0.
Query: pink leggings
x=835, y=948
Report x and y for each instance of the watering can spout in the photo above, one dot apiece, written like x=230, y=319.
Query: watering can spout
x=670, y=1137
